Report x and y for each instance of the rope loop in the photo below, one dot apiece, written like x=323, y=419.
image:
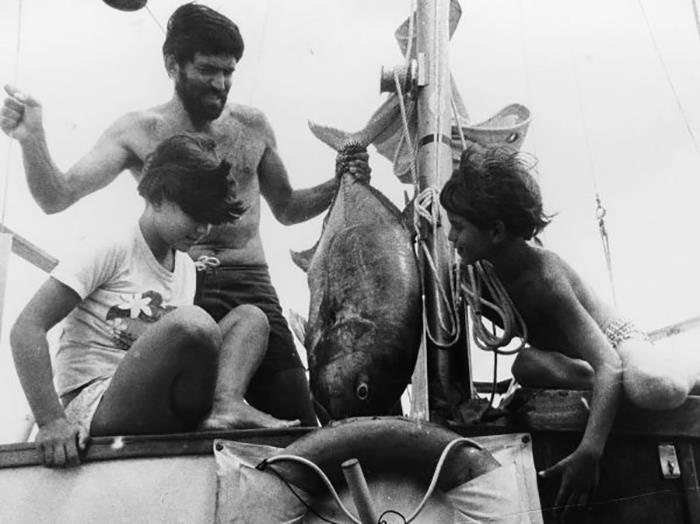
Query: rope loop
x=482, y=278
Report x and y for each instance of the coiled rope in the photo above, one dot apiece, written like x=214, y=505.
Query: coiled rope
x=482, y=275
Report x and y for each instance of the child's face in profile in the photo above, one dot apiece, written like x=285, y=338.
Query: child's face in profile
x=471, y=243
x=177, y=228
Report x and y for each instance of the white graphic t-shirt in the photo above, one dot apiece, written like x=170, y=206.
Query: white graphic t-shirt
x=123, y=290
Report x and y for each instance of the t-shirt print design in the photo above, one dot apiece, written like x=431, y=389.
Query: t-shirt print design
x=131, y=318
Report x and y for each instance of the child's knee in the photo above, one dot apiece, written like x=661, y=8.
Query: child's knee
x=653, y=390
x=519, y=368
x=526, y=369
x=196, y=325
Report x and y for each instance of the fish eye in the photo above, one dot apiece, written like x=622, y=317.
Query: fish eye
x=362, y=391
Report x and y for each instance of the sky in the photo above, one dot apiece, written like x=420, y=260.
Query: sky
x=612, y=88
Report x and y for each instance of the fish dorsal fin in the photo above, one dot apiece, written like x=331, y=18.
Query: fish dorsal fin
x=303, y=258
x=298, y=324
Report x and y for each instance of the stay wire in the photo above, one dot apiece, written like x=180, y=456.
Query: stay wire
x=696, y=14
x=667, y=74
x=526, y=69
x=10, y=140
x=592, y=171
x=160, y=26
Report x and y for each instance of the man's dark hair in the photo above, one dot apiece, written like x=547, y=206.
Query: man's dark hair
x=187, y=171
x=495, y=184
x=195, y=28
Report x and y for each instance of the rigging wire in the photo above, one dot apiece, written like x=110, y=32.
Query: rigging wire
x=10, y=140
x=160, y=26
x=528, y=83
x=600, y=210
x=542, y=235
x=667, y=74
x=697, y=16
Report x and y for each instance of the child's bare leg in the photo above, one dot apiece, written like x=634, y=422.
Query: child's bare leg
x=245, y=333
x=656, y=379
x=165, y=382
x=546, y=369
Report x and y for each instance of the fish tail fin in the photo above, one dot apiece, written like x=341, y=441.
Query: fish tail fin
x=383, y=123
x=337, y=139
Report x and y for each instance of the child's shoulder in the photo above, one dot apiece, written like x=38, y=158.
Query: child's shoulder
x=544, y=265
x=545, y=277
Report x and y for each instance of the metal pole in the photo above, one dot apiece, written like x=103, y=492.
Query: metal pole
x=434, y=168
x=359, y=491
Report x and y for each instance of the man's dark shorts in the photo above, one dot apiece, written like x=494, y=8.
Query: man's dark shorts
x=220, y=289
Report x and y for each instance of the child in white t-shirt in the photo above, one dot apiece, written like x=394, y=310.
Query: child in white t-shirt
x=135, y=355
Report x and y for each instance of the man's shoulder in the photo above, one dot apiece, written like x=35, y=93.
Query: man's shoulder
x=137, y=122
x=248, y=116
x=144, y=118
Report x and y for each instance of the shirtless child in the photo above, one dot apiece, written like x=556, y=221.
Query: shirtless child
x=575, y=339
x=135, y=355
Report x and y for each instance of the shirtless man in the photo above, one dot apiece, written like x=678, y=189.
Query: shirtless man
x=575, y=339
x=201, y=51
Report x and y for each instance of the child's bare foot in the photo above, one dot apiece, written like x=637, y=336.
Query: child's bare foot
x=243, y=416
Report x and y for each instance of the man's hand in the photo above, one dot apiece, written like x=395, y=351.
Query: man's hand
x=20, y=114
x=579, y=479
x=59, y=443
x=354, y=163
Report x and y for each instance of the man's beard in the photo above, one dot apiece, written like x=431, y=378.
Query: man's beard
x=192, y=99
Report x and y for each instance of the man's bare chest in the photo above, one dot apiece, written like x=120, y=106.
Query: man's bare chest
x=242, y=150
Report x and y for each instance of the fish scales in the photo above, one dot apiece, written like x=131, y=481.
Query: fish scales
x=365, y=316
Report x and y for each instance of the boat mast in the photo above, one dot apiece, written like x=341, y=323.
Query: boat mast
x=434, y=166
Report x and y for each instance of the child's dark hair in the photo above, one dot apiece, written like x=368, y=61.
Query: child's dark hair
x=495, y=184
x=186, y=170
x=195, y=28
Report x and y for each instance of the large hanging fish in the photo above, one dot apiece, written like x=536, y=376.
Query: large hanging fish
x=364, y=321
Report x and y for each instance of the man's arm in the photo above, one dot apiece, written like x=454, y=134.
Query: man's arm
x=291, y=206
x=57, y=440
x=586, y=341
x=53, y=190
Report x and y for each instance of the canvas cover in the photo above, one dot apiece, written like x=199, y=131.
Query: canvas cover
x=505, y=495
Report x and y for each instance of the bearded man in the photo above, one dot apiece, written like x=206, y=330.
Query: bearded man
x=201, y=51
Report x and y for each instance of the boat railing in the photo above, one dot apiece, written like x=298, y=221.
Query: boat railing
x=29, y=251
x=12, y=242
